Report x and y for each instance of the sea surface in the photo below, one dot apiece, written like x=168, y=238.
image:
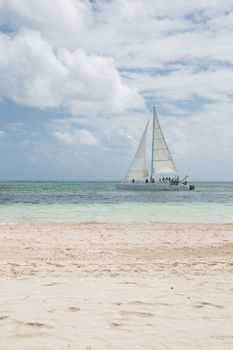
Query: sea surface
x=72, y=202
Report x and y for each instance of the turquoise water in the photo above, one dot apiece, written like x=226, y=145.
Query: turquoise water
x=70, y=202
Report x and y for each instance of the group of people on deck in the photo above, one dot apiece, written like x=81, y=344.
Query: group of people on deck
x=164, y=180
x=171, y=181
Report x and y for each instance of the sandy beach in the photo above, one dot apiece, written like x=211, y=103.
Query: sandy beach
x=114, y=286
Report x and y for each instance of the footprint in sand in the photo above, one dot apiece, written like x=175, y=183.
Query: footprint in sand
x=4, y=317
x=36, y=324
x=120, y=326
x=205, y=303
x=140, y=302
x=50, y=284
x=74, y=309
x=115, y=324
x=136, y=313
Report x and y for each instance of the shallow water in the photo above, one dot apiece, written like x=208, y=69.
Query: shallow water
x=49, y=202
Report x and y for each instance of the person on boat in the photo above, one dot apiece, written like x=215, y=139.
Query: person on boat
x=133, y=180
x=147, y=181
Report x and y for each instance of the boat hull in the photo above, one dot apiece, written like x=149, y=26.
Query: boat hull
x=153, y=187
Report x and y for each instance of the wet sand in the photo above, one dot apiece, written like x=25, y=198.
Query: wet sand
x=116, y=286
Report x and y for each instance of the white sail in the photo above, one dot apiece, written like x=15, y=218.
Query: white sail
x=162, y=161
x=138, y=168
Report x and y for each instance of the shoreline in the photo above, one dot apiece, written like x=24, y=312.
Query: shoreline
x=132, y=212
x=116, y=223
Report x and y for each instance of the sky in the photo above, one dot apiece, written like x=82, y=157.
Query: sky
x=79, y=78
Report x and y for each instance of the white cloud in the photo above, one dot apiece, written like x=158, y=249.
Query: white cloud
x=186, y=84
x=33, y=75
x=75, y=137
x=55, y=19
x=29, y=71
x=95, y=79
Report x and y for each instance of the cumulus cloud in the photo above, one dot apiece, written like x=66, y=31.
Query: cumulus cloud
x=55, y=19
x=33, y=75
x=29, y=71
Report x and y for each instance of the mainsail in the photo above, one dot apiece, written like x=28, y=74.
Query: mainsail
x=161, y=157
x=138, y=168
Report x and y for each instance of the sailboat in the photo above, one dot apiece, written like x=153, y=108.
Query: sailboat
x=163, y=173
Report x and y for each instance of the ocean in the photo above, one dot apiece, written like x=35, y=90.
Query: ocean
x=73, y=202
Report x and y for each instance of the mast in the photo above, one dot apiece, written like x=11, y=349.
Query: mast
x=152, y=154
